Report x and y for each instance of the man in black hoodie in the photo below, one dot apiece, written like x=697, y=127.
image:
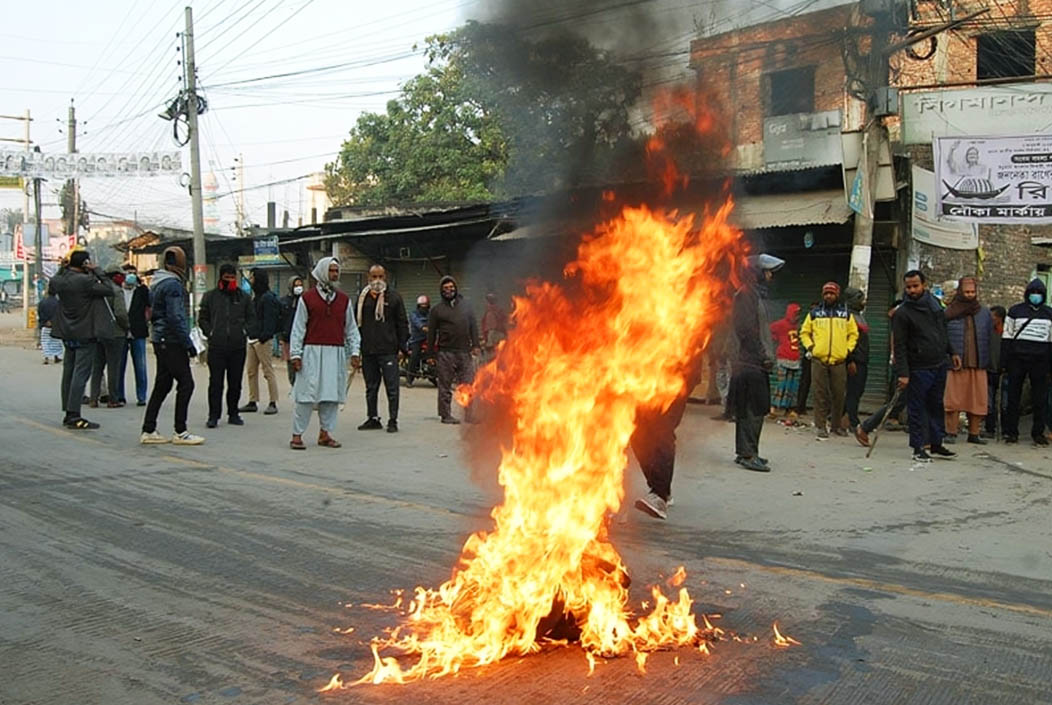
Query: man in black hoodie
x=384, y=326
x=451, y=326
x=266, y=321
x=225, y=316
x=922, y=349
x=1026, y=350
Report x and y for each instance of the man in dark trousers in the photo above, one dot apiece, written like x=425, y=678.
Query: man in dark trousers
x=753, y=362
x=385, y=333
x=1026, y=351
x=261, y=331
x=417, y=336
x=225, y=317
x=922, y=351
x=137, y=301
x=81, y=320
x=858, y=360
x=453, y=328
x=173, y=348
x=995, y=396
x=110, y=348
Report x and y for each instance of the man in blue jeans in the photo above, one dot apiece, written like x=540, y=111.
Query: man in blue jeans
x=137, y=301
x=922, y=349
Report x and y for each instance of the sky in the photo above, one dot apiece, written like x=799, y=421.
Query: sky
x=118, y=60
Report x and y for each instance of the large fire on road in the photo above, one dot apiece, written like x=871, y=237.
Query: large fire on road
x=616, y=335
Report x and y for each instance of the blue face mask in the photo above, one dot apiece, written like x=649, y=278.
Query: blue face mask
x=246, y=286
x=1036, y=299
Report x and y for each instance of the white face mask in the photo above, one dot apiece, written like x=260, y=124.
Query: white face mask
x=378, y=286
x=297, y=290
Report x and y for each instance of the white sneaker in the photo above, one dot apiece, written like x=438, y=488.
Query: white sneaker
x=187, y=439
x=653, y=505
x=152, y=438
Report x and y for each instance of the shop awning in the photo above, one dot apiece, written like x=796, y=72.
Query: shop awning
x=788, y=209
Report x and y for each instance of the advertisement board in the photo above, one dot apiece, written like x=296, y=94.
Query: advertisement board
x=84, y=165
x=1013, y=109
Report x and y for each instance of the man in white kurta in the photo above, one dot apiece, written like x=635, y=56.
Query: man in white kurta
x=324, y=335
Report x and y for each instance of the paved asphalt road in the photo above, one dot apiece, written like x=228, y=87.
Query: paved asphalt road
x=217, y=574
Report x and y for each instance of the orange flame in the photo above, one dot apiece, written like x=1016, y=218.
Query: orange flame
x=783, y=641
x=584, y=356
x=678, y=578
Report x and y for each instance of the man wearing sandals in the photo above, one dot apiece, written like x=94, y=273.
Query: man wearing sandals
x=324, y=335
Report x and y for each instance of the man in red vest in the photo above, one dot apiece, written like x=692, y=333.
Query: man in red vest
x=324, y=335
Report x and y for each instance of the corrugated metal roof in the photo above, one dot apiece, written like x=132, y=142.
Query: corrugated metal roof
x=788, y=209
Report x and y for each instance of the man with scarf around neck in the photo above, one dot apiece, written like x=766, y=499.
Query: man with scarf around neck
x=971, y=331
x=922, y=350
x=1026, y=351
x=267, y=320
x=385, y=333
x=787, y=342
x=750, y=391
x=829, y=334
x=225, y=317
x=858, y=360
x=324, y=335
x=173, y=349
x=451, y=326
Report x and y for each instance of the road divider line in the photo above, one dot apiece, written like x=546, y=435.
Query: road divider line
x=878, y=586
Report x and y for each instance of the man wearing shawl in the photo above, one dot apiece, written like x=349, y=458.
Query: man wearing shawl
x=385, y=334
x=324, y=335
x=970, y=328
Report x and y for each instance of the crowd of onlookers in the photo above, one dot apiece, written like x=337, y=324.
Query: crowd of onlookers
x=952, y=357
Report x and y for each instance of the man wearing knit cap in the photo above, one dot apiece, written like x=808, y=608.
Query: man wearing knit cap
x=829, y=334
x=453, y=331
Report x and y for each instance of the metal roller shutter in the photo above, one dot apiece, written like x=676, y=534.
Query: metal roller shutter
x=415, y=277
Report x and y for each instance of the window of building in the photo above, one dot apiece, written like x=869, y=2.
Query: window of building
x=1007, y=54
x=791, y=91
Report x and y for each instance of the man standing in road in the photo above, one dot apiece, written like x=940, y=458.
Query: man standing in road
x=137, y=302
x=1027, y=352
x=994, y=389
x=970, y=328
x=324, y=335
x=266, y=320
x=77, y=323
x=417, y=336
x=453, y=328
x=829, y=334
x=385, y=333
x=110, y=346
x=225, y=316
x=858, y=360
x=922, y=348
x=288, y=312
x=173, y=349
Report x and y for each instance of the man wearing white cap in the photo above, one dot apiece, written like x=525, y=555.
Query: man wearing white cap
x=324, y=335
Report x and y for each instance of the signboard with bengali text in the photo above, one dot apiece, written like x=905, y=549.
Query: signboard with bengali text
x=1014, y=109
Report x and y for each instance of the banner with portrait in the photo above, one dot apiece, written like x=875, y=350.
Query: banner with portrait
x=84, y=165
x=994, y=179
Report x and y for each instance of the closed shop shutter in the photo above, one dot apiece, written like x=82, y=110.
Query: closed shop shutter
x=415, y=277
x=882, y=289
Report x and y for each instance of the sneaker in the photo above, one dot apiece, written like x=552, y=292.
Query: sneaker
x=1011, y=439
x=653, y=505
x=977, y=440
x=371, y=424
x=451, y=420
x=249, y=408
x=141, y=402
x=754, y=464
x=187, y=439
x=212, y=423
x=920, y=456
x=822, y=435
x=79, y=423
x=861, y=436
x=272, y=409
x=739, y=458
x=235, y=420
x=1040, y=441
x=952, y=440
x=942, y=453
x=392, y=426
x=152, y=438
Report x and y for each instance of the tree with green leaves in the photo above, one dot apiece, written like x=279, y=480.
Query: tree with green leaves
x=494, y=115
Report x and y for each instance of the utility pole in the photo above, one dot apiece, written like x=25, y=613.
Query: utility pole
x=71, y=147
x=875, y=79
x=200, y=281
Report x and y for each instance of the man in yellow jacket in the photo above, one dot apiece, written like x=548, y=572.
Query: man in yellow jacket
x=829, y=334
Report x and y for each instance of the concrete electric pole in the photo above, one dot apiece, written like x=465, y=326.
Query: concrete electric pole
x=200, y=281
x=71, y=147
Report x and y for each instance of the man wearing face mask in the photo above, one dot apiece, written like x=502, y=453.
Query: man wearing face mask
x=324, y=335
x=225, y=316
x=417, y=335
x=137, y=300
x=385, y=333
x=289, y=303
x=453, y=328
x=1026, y=351
x=267, y=321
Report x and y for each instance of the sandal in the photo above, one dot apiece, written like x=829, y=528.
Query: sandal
x=297, y=445
x=329, y=442
x=80, y=424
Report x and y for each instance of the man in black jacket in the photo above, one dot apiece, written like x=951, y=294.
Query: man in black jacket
x=267, y=320
x=451, y=326
x=1026, y=351
x=382, y=320
x=922, y=350
x=80, y=323
x=226, y=314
